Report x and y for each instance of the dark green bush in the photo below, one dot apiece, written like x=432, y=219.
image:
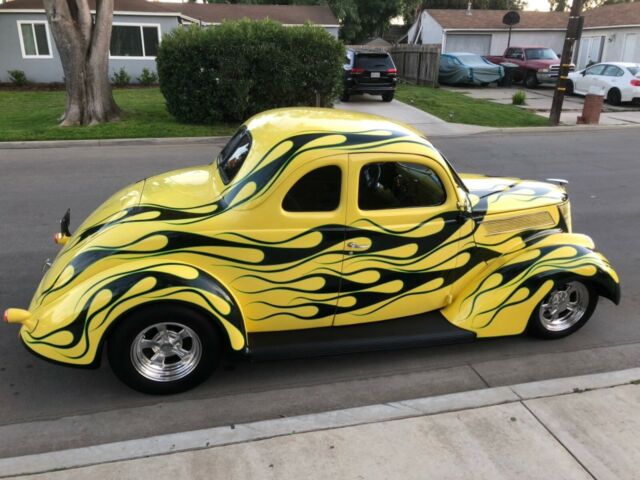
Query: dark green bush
x=17, y=77
x=237, y=69
x=147, y=77
x=120, y=78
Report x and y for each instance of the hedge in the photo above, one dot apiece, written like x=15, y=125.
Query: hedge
x=232, y=71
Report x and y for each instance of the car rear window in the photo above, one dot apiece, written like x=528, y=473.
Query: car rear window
x=374, y=61
x=234, y=154
x=634, y=70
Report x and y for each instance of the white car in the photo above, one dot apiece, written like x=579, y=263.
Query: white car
x=619, y=82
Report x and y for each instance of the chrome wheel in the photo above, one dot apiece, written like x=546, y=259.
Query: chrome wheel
x=564, y=306
x=165, y=352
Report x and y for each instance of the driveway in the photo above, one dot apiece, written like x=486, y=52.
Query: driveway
x=396, y=110
x=539, y=101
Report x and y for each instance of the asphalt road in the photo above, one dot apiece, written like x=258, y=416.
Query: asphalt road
x=45, y=407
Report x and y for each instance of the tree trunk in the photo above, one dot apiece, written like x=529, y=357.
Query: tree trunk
x=84, y=52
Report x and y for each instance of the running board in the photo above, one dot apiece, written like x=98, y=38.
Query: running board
x=417, y=331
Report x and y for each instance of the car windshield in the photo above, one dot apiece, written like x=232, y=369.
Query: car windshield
x=233, y=155
x=634, y=70
x=374, y=61
x=541, y=54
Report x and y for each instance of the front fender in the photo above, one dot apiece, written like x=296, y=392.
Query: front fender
x=499, y=300
x=71, y=329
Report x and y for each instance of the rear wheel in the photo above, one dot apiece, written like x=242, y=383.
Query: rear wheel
x=387, y=97
x=164, y=349
x=614, y=97
x=530, y=80
x=345, y=97
x=565, y=309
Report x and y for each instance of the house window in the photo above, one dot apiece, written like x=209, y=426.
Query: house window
x=34, y=39
x=137, y=41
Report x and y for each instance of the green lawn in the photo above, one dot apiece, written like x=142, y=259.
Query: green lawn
x=458, y=108
x=33, y=115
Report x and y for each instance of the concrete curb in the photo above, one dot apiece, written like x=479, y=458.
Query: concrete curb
x=220, y=436
x=117, y=142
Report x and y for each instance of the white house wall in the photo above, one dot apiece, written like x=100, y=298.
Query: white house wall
x=431, y=30
x=614, y=42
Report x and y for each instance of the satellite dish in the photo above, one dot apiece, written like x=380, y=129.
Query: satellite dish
x=511, y=18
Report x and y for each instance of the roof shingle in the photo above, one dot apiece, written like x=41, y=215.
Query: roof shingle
x=211, y=12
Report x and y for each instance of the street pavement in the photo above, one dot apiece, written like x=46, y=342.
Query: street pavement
x=47, y=407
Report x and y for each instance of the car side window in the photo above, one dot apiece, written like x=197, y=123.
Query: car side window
x=317, y=191
x=389, y=185
x=595, y=70
x=613, y=71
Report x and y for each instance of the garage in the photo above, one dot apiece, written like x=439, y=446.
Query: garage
x=474, y=43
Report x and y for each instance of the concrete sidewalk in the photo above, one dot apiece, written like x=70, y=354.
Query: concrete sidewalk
x=574, y=428
x=539, y=102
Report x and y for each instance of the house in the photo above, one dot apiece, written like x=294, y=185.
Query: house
x=611, y=32
x=26, y=42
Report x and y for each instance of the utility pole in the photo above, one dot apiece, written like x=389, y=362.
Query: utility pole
x=574, y=30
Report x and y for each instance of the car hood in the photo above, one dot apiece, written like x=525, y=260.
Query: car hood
x=490, y=195
x=538, y=64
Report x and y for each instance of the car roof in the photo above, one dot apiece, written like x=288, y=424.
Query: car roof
x=274, y=126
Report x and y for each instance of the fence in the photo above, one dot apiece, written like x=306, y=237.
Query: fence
x=417, y=63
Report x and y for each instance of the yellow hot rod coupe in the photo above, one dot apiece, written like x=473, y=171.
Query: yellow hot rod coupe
x=315, y=231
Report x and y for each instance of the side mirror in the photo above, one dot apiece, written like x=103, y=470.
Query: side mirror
x=583, y=73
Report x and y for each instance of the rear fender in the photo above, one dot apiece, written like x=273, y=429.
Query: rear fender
x=499, y=300
x=72, y=329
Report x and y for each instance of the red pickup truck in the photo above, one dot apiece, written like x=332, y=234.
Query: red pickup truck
x=536, y=65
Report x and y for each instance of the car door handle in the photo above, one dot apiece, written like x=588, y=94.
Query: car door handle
x=357, y=246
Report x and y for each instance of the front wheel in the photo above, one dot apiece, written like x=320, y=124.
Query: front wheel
x=387, y=97
x=530, y=80
x=164, y=349
x=565, y=309
x=569, y=87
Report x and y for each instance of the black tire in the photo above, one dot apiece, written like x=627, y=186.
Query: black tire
x=569, y=88
x=345, y=97
x=387, y=97
x=614, y=97
x=539, y=326
x=128, y=362
x=530, y=80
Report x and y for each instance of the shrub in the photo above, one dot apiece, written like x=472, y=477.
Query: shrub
x=519, y=98
x=147, y=77
x=120, y=78
x=237, y=69
x=17, y=77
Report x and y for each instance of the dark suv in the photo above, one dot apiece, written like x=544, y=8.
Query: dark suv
x=369, y=72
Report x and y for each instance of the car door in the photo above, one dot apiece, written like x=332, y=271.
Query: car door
x=590, y=78
x=402, y=238
x=612, y=77
x=292, y=279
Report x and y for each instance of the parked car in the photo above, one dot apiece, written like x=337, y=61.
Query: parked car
x=369, y=72
x=315, y=231
x=536, y=65
x=468, y=68
x=618, y=81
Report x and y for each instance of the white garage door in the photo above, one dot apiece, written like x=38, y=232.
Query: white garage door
x=480, y=44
